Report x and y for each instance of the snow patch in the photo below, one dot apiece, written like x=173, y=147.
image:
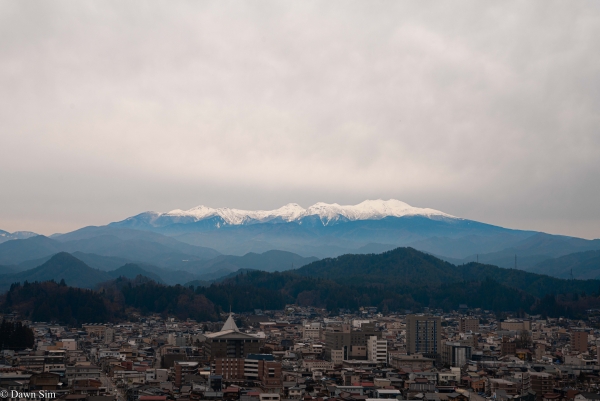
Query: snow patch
x=327, y=212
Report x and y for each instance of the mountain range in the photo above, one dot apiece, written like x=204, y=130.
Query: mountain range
x=397, y=280
x=205, y=243
x=6, y=236
x=86, y=270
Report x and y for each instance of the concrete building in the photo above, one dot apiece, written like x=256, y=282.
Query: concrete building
x=456, y=354
x=417, y=361
x=67, y=344
x=377, y=349
x=317, y=364
x=78, y=372
x=256, y=367
x=515, y=325
x=579, y=341
x=183, y=368
x=336, y=356
x=109, y=336
x=508, y=347
x=511, y=388
x=351, y=343
x=311, y=331
x=230, y=342
x=423, y=334
x=541, y=383
x=467, y=324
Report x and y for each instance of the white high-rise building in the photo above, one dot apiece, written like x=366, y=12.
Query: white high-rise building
x=377, y=349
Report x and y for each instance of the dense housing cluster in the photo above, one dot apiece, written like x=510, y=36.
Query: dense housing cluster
x=304, y=353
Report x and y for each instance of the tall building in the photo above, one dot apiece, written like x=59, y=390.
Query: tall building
x=109, y=336
x=469, y=324
x=456, y=354
x=255, y=367
x=311, y=331
x=508, y=347
x=423, y=334
x=347, y=343
x=541, y=383
x=579, y=341
x=230, y=342
x=183, y=368
x=377, y=349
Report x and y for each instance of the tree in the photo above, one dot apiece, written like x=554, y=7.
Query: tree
x=524, y=340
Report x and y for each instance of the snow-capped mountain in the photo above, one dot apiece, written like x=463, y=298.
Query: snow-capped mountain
x=6, y=236
x=325, y=230
x=327, y=213
x=289, y=212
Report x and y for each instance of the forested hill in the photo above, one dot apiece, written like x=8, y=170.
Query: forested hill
x=393, y=281
x=407, y=266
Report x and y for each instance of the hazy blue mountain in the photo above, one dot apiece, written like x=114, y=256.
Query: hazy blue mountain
x=226, y=264
x=6, y=270
x=31, y=264
x=60, y=266
x=6, y=236
x=329, y=230
x=375, y=248
x=120, y=244
x=431, y=235
x=269, y=261
x=124, y=234
x=579, y=265
x=325, y=230
x=104, y=263
x=16, y=251
x=131, y=270
x=409, y=267
x=99, y=262
x=179, y=272
x=454, y=239
x=208, y=243
x=534, y=250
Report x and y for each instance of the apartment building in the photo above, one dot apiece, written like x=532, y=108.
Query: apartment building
x=255, y=367
x=423, y=334
x=351, y=343
x=377, y=350
x=467, y=324
x=579, y=341
x=311, y=331
x=456, y=354
x=541, y=383
x=515, y=325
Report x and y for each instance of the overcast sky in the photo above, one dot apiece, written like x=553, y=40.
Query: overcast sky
x=484, y=110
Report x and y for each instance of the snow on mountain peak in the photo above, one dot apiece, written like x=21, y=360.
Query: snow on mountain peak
x=327, y=212
x=370, y=210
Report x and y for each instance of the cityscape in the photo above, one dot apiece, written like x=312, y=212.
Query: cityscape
x=302, y=353
x=315, y=200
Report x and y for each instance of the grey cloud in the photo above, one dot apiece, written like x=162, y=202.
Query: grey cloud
x=483, y=110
